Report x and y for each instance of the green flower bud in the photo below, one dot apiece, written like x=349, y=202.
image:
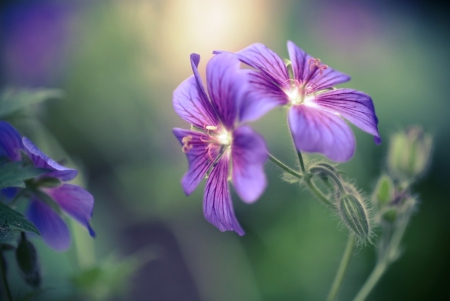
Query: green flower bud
x=354, y=214
x=390, y=215
x=27, y=260
x=409, y=153
x=384, y=192
x=49, y=182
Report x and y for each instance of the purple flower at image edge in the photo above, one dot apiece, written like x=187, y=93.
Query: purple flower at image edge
x=316, y=108
x=71, y=199
x=219, y=146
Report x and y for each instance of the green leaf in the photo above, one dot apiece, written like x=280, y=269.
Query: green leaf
x=11, y=220
x=13, y=100
x=13, y=174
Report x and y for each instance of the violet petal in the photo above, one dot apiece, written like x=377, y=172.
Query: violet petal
x=225, y=83
x=318, y=131
x=199, y=156
x=249, y=153
x=301, y=67
x=355, y=106
x=10, y=142
x=42, y=160
x=267, y=62
x=262, y=96
x=217, y=204
x=75, y=201
x=53, y=229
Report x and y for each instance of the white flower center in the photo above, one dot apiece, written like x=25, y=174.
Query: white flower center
x=224, y=138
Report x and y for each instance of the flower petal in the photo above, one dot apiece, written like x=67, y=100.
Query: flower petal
x=267, y=62
x=316, y=130
x=42, y=160
x=53, y=229
x=75, y=201
x=261, y=97
x=225, y=86
x=190, y=100
x=217, y=204
x=304, y=72
x=200, y=157
x=10, y=142
x=355, y=106
x=249, y=153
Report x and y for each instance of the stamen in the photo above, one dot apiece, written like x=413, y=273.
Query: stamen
x=315, y=63
x=186, y=146
x=211, y=127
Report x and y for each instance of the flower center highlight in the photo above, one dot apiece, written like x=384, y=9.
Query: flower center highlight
x=224, y=138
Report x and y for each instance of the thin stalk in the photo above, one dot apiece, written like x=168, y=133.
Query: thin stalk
x=316, y=191
x=284, y=167
x=16, y=198
x=389, y=256
x=302, y=164
x=342, y=268
x=6, y=293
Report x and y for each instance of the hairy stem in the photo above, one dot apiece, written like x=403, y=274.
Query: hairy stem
x=285, y=167
x=342, y=268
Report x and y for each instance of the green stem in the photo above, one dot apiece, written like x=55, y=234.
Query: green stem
x=342, y=268
x=330, y=174
x=302, y=164
x=284, y=167
x=6, y=293
x=389, y=255
x=316, y=191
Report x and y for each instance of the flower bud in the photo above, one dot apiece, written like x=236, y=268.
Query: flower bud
x=354, y=214
x=409, y=153
x=26, y=257
x=384, y=192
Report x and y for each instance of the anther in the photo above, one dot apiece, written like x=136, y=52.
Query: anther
x=186, y=146
x=211, y=127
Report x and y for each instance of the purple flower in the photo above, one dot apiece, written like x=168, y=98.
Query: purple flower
x=71, y=199
x=316, y=108
x=218, y=146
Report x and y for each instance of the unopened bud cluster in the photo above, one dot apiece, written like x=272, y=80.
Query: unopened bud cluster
x=409, y=153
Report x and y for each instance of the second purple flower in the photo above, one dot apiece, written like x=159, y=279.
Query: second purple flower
x=218, y=146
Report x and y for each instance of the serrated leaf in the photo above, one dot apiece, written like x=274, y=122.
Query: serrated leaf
x=13, y=174
x=13, y=100
x=11, y=220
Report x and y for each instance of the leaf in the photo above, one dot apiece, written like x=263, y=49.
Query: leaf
x=13, y=174
x=11, y=220
x=13, y=100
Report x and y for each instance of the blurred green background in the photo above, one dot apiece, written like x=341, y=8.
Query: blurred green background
x=118, y=63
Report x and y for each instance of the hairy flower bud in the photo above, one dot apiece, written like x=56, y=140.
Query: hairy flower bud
x=354, y=214
x=27, y=260
x=409, y=153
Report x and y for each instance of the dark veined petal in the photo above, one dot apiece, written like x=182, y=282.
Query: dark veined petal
x=355, y=106
x=261, y=97
x=42, y=160
x=217, y=204
x=75, y=201
x=267, y=62
x=200, y=157
x=225, y=86
x=190, y=100
x=53, y=229
x=304, y=71
x=10, y=142
x=317, y=131
x=249, y=153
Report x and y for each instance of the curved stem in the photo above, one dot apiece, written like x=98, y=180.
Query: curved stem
x=342, y=268
x=330, y=174
x=284, y=167
x=370, y=283
x=6, y=293
x=316, y=191
x=17, y=197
